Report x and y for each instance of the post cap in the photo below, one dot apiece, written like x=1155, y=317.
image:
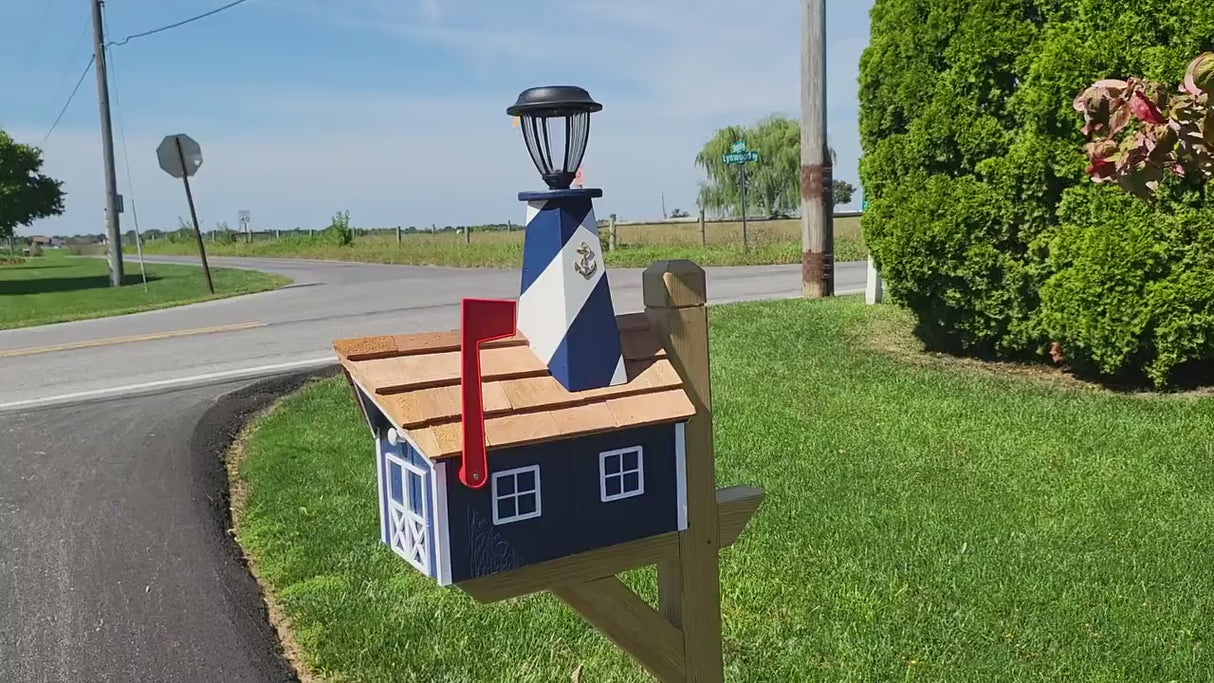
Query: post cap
x=674, y=284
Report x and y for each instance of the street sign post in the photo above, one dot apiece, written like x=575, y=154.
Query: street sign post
x=180, y=156
x=245, y=217
x=739, y=156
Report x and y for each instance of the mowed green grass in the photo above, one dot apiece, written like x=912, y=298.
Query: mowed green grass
x=926, y=520
x=639, y=245
x=58, y=288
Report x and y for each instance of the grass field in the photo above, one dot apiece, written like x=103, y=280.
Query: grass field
x=926, y=519
x=638, y=246
x=57, y=288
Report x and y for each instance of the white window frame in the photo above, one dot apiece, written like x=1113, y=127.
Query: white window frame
x=497, y=519
x=640, y=471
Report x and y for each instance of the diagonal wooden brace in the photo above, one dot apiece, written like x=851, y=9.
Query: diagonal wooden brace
x=629, y=622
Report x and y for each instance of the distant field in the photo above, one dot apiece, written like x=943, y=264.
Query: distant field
x=58, y=288
x=639, y=245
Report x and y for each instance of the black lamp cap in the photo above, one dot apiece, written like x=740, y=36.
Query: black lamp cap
x=553, y=100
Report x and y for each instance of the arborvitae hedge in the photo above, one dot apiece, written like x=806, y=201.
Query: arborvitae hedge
x=980, y=216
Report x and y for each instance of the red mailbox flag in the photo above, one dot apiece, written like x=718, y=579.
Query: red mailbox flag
x=481, y=320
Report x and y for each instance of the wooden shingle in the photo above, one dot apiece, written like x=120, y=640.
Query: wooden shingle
x=414, y=380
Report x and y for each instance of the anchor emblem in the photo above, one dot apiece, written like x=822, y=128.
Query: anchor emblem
x=587, y=266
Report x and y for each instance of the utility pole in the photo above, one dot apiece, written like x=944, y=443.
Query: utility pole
x=817, y=173
x=107, y=151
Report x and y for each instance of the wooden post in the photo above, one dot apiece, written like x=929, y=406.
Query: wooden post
x=703, y=237
x=398, y=236
x=611, y=236
x=675, y=296
x=467, y=234
x=681, y=640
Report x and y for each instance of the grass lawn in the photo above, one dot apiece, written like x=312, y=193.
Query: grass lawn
x=639, y=245
x=926, y=519
x=57, y=288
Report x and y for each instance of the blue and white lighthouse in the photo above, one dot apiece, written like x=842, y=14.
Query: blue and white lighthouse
x=564, y=307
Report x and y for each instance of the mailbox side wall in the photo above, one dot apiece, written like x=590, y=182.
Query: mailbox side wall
x=573, y=517
x=478, y=547
x=654, y=511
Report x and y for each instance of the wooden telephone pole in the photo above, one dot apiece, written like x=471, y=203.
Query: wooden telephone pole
x=112, y=230
x=817, y=173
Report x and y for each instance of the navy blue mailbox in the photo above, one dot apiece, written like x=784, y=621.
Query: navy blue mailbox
x=536, y=432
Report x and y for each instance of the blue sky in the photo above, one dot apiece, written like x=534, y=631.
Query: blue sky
x=395, y=109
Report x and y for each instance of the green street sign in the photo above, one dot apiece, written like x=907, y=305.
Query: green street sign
x=740, y=157
x=738, y=147
x=863, y=203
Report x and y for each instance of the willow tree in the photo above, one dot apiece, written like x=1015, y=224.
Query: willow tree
x=773, y=182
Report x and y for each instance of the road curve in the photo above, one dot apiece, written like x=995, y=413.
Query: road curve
x=116, y=561
x=292, y=328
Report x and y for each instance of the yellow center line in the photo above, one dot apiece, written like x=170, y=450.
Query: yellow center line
x=124, y=340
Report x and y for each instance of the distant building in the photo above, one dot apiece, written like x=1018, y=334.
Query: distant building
x=46, y=242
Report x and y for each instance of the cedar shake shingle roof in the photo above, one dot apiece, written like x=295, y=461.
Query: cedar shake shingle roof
x=414, y=381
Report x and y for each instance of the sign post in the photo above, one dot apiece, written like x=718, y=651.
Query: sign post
x=739, y=156
x=245, y=217
x=180, y=156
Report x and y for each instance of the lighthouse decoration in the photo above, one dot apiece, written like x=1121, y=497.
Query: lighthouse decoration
x=564, y=308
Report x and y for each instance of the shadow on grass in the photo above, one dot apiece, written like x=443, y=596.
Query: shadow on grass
x=1192, y=376
x=30, y=265
x=914, y=342
x=66, y=284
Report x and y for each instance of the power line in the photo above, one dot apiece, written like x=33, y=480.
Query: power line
x=67, y=68
x=69, y=101
x=124, y=41
x=183, y=22
x=46, y=13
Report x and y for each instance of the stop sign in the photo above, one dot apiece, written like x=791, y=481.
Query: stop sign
x=182, y=161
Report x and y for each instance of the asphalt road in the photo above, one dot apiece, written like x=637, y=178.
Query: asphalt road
x=292, y=328
x=115, y=562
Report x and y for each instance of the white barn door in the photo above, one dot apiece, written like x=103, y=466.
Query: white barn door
x=407, y=524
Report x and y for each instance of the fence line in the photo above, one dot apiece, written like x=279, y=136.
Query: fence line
x=734, y=219
x=616, y=233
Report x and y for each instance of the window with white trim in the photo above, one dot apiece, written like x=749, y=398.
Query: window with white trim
x=516, y=494
x=621, y=474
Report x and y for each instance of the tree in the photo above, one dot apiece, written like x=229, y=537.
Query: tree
x=842, y=191
x=980, y=216
x=25, y=194
x=678, y=213
x=773, y=182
